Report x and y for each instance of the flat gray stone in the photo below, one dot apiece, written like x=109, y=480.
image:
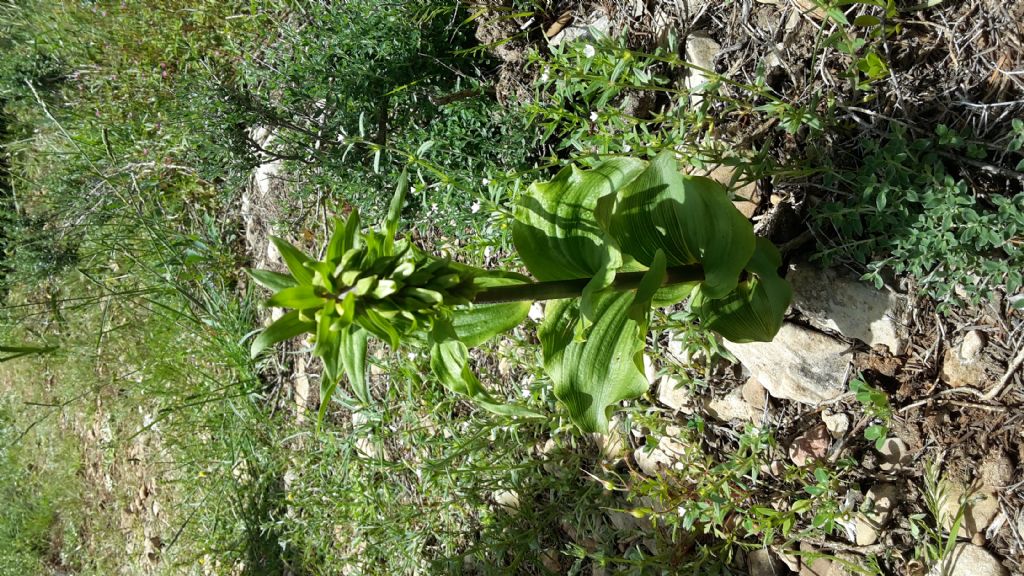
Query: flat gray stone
x=732, y=406
x=834, y=300
x=982, y=507
x=879, y=504
x=799, y=364
x=968, y=560
x=894, y=455
x=596, y=26
x=967, y=364
x=763, y=563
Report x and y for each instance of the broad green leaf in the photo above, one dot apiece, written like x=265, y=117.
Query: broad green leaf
x=640, y=308
x=322, y=272
x=295, y=260
x=328, y=343
x=690, y=218
x=298, y=297
x=287, y=326
x=274, y=281
x=395, y=212
x=556, y=231
x=353, y=359
x=477, y=324
x=379, y=326
x=345, y=236
x=449, y=360
x=592, y=376
x=754, y=311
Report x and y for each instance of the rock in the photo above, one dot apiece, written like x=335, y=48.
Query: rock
x=598, y=25
x=701, y=52
x=996, y=470
x=831, y=299
x=650, y=370
x=672, y=392
x=613, y=445
x=732, y=406
x=551, y=560
x=838, y=424
x=811, y=446
x=894, y=455
x=968, y=560
x=506, y=499
x=676, y=352
x=981, y=509
x=792, y=561
x=967, y=364
x=763, y=563
x=664, y=455
x=744, y=196
x=548, y=452
x=972, y=345
x=875, y=513
x=754, y=394
x=799, y=364
x=816, y=567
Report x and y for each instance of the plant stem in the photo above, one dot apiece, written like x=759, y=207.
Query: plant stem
x=558, y=289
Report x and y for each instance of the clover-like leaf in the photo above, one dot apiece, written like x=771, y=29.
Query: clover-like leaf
x=592, y=375
x=754, y=311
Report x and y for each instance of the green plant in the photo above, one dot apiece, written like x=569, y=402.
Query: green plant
x=876, y=405
x=909, y=211
x=605, y=243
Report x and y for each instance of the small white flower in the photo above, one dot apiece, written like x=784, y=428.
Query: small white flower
x=475, y=207
x=589, y=51
x=593, y=116
x=433, y=208
x=627, y=148
x=486, y=181
x=412, y=356
x=544, y=76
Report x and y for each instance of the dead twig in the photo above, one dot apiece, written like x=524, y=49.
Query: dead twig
x=1007, y=377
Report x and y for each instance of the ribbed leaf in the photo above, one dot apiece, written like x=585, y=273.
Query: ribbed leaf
x=556, y=231
x=690, y=218
x=287, y=326
x=298, y=297
x=395, y=212
x=344, y=237
x=295, y=260
x=640, y=308
x=353, y=358
x=593, y=375
x=273, y=281
x=379, y=326
x=477, y=324
x=449, y=360
x=755, y=310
